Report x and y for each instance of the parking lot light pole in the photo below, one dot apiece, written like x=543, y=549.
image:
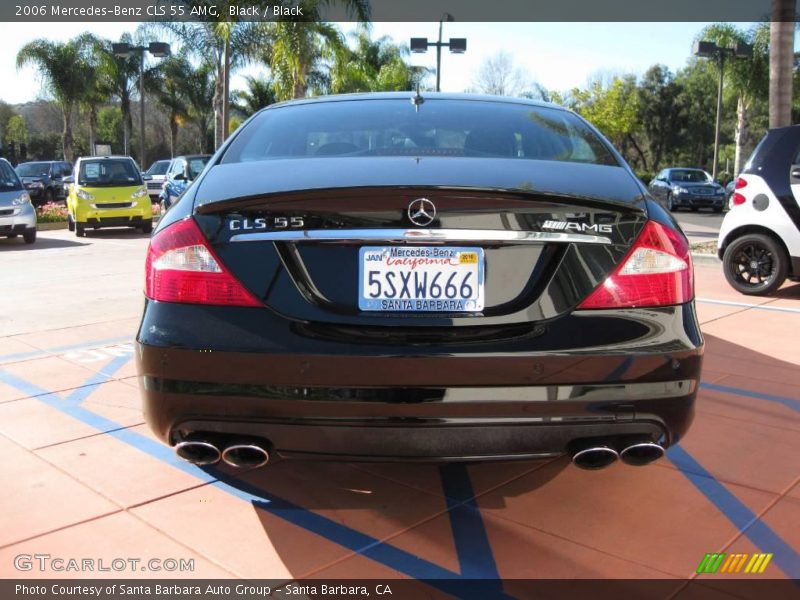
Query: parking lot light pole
x=456, y=45
x=157, y=49
x=710, y=49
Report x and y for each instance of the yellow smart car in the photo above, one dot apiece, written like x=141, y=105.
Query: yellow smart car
x=107, y=191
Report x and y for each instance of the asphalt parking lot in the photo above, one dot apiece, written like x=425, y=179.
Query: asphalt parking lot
x=85, y=478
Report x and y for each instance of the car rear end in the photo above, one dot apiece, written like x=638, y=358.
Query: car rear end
x=418, y=295
x=759, y=239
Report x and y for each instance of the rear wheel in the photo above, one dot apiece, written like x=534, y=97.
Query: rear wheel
x=755, y=264
x=29, y=236
x=717, y=209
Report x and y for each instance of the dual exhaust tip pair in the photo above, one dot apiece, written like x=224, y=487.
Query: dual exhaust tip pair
x=598, y=455
x=586, y=454
x=201, y=452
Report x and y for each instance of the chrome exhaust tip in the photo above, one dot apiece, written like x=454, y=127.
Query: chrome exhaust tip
x=198, y=452
x=595, y=457
x=248, y=456
x=642, y=453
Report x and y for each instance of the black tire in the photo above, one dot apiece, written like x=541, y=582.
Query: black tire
x=70, y=222
x=48, y=195
x=761, y=253
x=11, y=236
x=29, y=236
x=694, y=208
x=717, y=209
x=147, y=227
x=670, y=204
x=80, y=229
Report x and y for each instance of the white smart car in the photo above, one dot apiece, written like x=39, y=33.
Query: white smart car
x=759, y=241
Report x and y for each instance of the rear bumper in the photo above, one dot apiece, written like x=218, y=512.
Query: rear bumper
x=320, y=398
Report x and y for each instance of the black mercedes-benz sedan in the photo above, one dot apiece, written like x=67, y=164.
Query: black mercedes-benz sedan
x=416, y=277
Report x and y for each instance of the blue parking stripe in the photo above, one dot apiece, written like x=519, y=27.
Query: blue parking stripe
x=390, y=556
x=758, y=532
x=475, y=556
x=788, y=402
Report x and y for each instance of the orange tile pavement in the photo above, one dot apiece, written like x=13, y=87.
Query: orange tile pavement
x=79, y=491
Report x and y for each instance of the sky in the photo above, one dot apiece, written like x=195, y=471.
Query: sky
x=559, y=56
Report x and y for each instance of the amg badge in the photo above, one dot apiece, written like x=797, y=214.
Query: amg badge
x=566, y=225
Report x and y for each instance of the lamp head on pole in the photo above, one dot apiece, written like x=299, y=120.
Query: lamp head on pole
x=159, y=49
x=121, y=49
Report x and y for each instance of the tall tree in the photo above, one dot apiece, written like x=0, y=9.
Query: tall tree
x=659, y=112
x=747, y=78
x=168, y=82
x=372, y=66
x=781, y=54
x=121, y=74
x=498, y=75
x=63, y=71
x=199, y=93
x=98, y=85
x=258, y=94
x=296, y=52
x=222, y=45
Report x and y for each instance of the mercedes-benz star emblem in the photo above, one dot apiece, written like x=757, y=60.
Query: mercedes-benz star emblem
x=421, y=212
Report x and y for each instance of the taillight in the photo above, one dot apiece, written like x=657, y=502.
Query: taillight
x=739, y=199
x=182, y=267
x=656, y=271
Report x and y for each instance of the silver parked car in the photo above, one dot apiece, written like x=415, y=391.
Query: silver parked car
x=17, y=215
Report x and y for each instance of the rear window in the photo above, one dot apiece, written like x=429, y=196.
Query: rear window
x=439, y=128
x=107, y=172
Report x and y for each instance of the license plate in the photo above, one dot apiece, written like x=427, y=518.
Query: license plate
x=421, y=279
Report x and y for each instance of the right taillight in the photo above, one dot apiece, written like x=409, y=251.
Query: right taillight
x=182, y=267
x=738, y=199
x=656, y=271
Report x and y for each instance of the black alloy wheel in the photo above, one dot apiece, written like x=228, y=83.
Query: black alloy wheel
x=755, y=264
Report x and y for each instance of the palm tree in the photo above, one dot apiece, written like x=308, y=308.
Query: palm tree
x=98, y=86
x=64, y=72
x=259, y=93
x=747, y=77
x=781, y=58
x=199, y=91
x=225, y=46
x=122, y=74
x=168, y=82
x=373, y=65
x=296, y=50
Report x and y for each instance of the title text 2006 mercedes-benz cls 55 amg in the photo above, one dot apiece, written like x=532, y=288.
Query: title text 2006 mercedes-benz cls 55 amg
x=418, y=277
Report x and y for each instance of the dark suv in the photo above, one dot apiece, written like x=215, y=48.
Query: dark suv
x=42, y=179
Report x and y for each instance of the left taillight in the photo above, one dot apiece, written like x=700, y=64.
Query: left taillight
x=656, y=271
x=182, y=267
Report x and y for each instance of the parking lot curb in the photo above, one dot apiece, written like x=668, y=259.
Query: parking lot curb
x=51, y=226
x=705, y=258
